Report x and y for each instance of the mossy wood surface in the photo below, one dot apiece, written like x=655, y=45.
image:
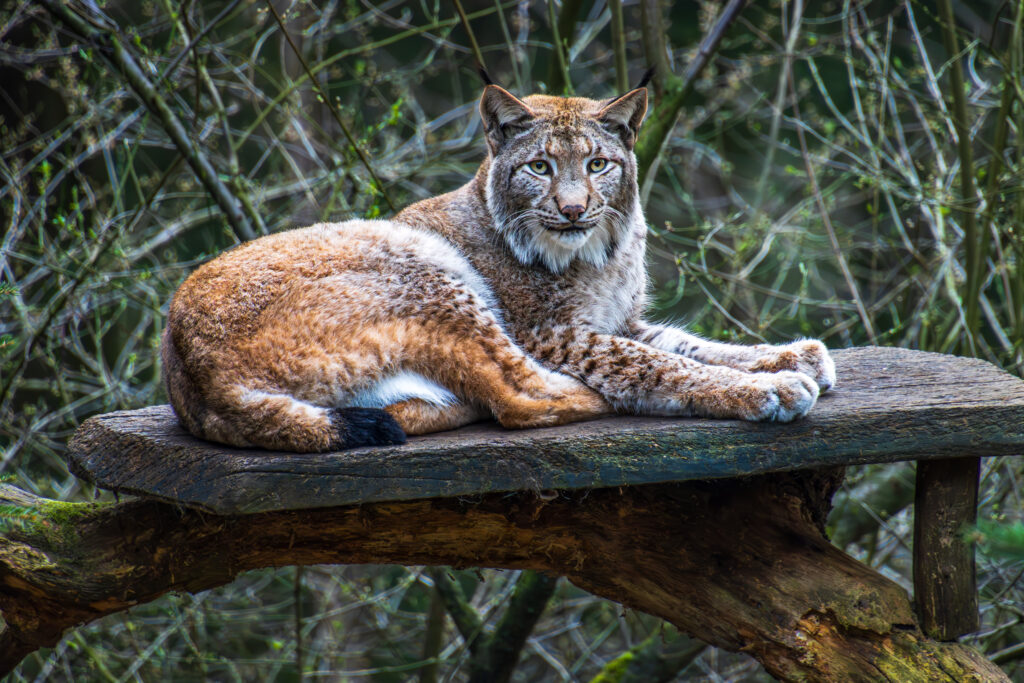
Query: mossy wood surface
x=889, y=405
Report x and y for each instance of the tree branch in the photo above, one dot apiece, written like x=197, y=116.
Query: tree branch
x=433, y=640
x=619, y=47
x=494, y=656
x=477, y=54
x=115, y=52
x=466, y=619
x=740, y=563
x=674, y=90
x=497, y=659
x=564, y=32
x=331, y=108
x=561, y=58
x=968, y=194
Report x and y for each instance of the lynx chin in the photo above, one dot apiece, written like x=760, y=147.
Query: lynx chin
x=520, y=295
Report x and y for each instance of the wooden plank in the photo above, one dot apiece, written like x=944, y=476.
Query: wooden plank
x=945, y=587
x=889, y=405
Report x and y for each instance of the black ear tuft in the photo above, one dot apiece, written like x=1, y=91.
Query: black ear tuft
x=646, y=78
x=484, y=76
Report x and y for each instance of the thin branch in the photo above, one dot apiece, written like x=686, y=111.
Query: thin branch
x=234, y=170
x=477, y=54
x=331, y=108
x=565, y=33
x=494, y=656
x=502, y=648
x=662, y=122
x=826, y=220
x=560, y=55
x=107, y=239
x=466, y=619
x=619, y=47
x=777, y=106
x=112, y=48
x=360, y=49
x=968, y=194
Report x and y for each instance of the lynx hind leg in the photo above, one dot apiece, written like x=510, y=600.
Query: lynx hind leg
x=282, y=422
x=472, y=356
x=417, y=416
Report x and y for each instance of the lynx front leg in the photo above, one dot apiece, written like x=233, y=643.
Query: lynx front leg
x=808, y=356
x=641, y=379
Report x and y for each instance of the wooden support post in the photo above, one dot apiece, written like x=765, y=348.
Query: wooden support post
x=945, y=590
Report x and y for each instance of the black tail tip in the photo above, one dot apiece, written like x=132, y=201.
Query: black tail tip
x=356, y=427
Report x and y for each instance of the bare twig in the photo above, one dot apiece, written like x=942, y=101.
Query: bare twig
x=561, y=58
x=968, y=193
x=331, y=108
x=477, y=55
x=619, y=46
x=564, y=31
x=826, y=220
x=112, y=47
x=661, y=123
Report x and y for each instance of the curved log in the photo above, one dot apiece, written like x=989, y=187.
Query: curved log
x=739, y=563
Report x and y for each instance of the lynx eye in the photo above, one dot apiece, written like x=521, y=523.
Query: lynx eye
x=597, y=165
x=539, y=167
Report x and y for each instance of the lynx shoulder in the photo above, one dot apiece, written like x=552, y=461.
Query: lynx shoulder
x=519, y=296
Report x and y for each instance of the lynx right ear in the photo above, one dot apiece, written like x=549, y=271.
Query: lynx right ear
x=624, y=114
x=504, y=115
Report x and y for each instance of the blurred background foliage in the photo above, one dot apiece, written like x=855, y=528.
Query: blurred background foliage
x=812, y=185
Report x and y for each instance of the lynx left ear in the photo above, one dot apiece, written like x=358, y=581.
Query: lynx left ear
x=623, y=115
x=504, y=115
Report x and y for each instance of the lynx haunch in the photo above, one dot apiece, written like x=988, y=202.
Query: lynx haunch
x=519, y=296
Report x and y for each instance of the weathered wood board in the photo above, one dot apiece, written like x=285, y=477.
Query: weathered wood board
x=889, y=405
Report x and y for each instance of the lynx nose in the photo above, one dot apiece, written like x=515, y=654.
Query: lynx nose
x=572, y=211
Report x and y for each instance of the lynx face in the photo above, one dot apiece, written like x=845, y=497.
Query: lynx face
x=562, y=178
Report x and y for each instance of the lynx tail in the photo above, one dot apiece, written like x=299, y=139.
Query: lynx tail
x=356, y=427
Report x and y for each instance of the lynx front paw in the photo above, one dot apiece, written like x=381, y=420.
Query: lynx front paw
x=782, y=396
x=808, y=356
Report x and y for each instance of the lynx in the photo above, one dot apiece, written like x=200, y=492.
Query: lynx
x=519, y=296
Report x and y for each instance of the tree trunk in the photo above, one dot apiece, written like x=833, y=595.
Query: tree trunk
x=740, y=563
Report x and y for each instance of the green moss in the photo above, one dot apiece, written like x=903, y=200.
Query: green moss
x=62, y=513
x=59, y=519
x=614, y=670
x=909, y=659
x=866, y=609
